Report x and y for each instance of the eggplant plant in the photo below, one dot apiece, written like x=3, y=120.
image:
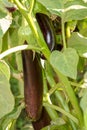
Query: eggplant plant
x=43, y=65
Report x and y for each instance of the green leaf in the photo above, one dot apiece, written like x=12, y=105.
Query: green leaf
x=6, y=97
x=3, y=11
x=5, y=23
x=2, y=14
x=13, y=37
x=3, y=5
x=8, y=119
x=67, y=9
x=4, y=69
x=52, y=5
x=56, y=127
x=85, y=119
x=40, y=8
x=83, y=104
x=1, y=33
x=78, y=42
x=16, y=20
x=65, y=62
x=59, y=121
x=25, y=33
x=84, y=32
x=76, y=11
x=19, y=61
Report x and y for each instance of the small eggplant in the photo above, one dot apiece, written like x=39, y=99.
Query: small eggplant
x=47, y=29
x=33, y=84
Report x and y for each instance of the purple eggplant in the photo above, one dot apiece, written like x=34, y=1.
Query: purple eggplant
x=47, y=29
x=33, y=84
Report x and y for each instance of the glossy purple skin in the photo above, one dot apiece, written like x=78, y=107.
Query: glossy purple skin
x=47, y=29
x=43, y=121
x=33, y=84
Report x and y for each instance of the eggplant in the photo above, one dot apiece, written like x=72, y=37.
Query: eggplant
x=33, y=84
x=47, y=29
x=43, y=121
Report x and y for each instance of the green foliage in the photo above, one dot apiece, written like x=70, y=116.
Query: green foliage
x=78, y=42
x=65, y=62
x=11, y=117
x=64, y=70
x=6, y=97
x=26, y=34
x=67, y=9
x=56, y=127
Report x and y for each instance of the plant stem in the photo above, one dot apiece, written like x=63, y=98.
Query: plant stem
x=12, y=50
x=63, y=34
x=31, y=6
x=61, y=110
x=35, y=29
x=22, y=8
x=59, y=98
x=64, y=80
x=68, y=89
x=68, y=33
x=52, y=113
x=53, y=89
x=75, y=84
x=72, y=97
